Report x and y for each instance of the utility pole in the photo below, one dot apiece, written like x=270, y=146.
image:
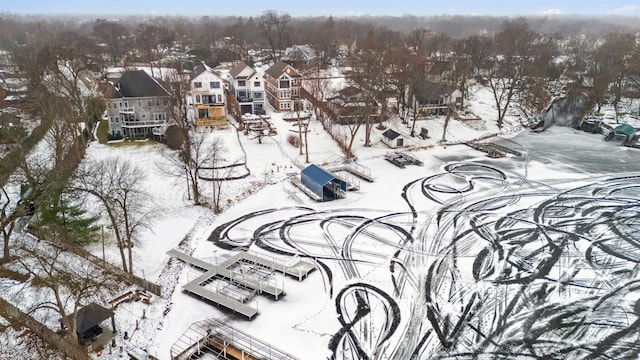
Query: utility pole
x=103, y=257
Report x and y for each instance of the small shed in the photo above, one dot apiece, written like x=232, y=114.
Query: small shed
x=393, y=139
x=88, y=321
x=322, y=183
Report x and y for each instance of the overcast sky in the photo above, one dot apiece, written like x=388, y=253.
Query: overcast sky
x=323, y=7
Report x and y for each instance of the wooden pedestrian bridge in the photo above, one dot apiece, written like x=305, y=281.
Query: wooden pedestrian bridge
x=234, y=282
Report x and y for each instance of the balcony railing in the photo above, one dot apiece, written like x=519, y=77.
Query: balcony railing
x=128, y=110
x=146, y=123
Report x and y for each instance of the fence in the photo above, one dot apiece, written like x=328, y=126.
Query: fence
x=64, y=344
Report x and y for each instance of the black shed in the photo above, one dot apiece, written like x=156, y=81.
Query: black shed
x=88, y=321
x=323, y=183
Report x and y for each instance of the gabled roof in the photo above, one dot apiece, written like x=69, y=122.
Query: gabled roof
x=390, y=134
x=302, y=52
x=318, y=174
x=279, y=68
x=137, y=83
x=428, y=91
x=201, y=68
x=241, y=70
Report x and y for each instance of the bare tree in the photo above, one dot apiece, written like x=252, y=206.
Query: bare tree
x=616, y=53
x=511, y=59
x=114, y=36
x=117, y=185
x=275, y=28
x=62, y=283
x=220, y=173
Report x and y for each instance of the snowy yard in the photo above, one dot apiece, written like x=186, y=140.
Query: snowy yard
x=465, y=254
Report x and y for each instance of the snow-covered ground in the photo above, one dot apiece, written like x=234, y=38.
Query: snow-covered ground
x=391, y=223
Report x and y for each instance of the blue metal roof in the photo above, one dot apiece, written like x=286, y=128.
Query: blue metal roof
x=317, y=174
x=321, y=182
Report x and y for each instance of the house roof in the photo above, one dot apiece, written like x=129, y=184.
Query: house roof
x=137, y=83
x=390, y=134
x=302, y=52
x=241, y=70
x=626, y=129
x=279, y=68
x=318, y=174
x=201, y=68
x=90, y=316
x=429, y=91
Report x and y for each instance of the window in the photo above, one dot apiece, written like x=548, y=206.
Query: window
x=214, y=85
x=257, y=95
x=219, y=98
x=149, y=103
x=285, y=105
x=159, y=116
x=294, y=93
x=283, y=84
x=197, y=99
x=197, y=84
x=242, y=83
x=139, y=103
x=284, y=94
x=296, y=81
x=157, y=102
x=115, y=105
x=256, y=84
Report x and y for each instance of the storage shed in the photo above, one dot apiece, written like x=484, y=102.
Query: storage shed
x=393, y=139
x=322, y=183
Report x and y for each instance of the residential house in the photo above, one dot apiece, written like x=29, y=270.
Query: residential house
x=208, y=96
x=282, y=86
x=300, y=56
x=430, y=99
x=137, y=104
x=247, y=87
x=351, y=104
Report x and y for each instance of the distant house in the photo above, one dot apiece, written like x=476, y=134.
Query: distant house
x=282, y=86
x=208, y=96
x=322, y=183
x=351, y=104
x=137, y=104
x=300, y=56
x=393, y=139
x=247, y=87
x=430, y=98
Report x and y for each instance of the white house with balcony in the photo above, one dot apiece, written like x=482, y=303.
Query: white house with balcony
x=137, y=105
x=247, y=87
x=282, y=86
x=208, y=96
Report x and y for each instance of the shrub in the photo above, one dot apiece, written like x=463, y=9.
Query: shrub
x=293, y=140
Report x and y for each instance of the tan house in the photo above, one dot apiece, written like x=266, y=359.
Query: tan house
x=208, y=96
x=282, y=86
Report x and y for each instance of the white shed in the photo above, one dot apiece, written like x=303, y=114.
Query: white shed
x=393, y=139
